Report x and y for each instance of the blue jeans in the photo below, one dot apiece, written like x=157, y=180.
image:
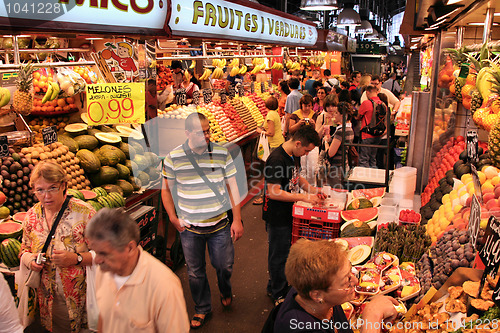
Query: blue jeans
x=221, y=253
x=368, y=155
x=280, y=240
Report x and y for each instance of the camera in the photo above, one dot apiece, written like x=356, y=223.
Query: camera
x=40, y=259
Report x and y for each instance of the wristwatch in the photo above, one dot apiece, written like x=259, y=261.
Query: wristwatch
x=79, y=259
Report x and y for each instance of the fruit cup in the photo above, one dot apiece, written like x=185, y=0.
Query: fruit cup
x=409, y=216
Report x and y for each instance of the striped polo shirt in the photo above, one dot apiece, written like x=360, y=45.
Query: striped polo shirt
x=195, y=202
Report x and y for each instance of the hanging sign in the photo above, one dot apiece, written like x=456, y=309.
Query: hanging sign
x=367, y=47
x=49, y=134
x=4, y=146
x=207, y=96
x=115, y=103
x=490, y=255
x=474, y=220
x=196, y=97
x=220, y=19
x=181, y=96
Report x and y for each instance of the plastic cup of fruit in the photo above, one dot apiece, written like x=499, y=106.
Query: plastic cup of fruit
x=402, y=222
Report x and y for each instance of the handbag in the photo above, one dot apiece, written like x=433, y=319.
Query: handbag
x=33, y=279
x=352, y=156
x=263, y=148
x=223, y=200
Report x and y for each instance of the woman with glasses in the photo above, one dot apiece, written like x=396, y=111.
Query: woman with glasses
x=321, y=278
x=62, y=290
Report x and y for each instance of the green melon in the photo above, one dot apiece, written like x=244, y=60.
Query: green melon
x=152, y=159
x=93, y=131
x=76, y=129
x=10, y=230
x=125, y=186
x=76, y=194
x=106, y=175
x=356, y=229
x=88, y=161
x=132, y=166
x=123, y=171
x=359, y=203
x=136, y=183
x=127, y=149
x=137, y=147
x=9, y=252
x=153, y=173
x=87, y=142
x=107, y=129
x=143, y=177
x=142, y=162
x=110, y=155
x=112, y=188
x=68, y=142
x=108, y=138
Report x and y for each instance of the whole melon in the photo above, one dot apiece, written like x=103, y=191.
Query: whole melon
x=356, y=229
x=87, y=142
x=137, y=147
x=106, y=175
x=123, y=171
x=136, y=183
x=152, y=159
x=125, y=186
x=88, y=161
x=110, y=155
x=112, y=188
x=127, y=149
x=68, y=142
x=9, y=252
x=153, y=173
x=143, y=177
x=141, y=161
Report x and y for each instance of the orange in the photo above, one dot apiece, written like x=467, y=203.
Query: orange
x=43, y=78
x=61, y=102
x=50, y=109
x=70, y=100
x=58, y=109
x=36, y=75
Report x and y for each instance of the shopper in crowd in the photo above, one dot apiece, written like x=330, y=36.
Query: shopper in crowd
x=330, y=81
x=354, y=89
x=284, y=92
x=344, y=95
x=9, y=317
x=399, y=72
x=392, y=85
x=322, y=279
x=367, y=155
x=333, y=147
x=201, y=216
x=382, y=152
x=364, y=82
x=384, y=77
x=177, y=73
x=61, y=294
x=282, y=188
x=272, y=130
x=292, y=101
x=319, y=101
x=134, y=290
x=188, y=85
x=394, y=102
x=325, y=121
x=309, y=83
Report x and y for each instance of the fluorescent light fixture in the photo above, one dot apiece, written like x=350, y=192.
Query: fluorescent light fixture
x=451, y=2
x=348, y=17
x=318, y=5
x=480, y=23
x=414, y=47
x=94, y=38
x=496, y=14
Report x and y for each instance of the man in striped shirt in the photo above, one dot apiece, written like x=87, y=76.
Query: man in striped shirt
x=199, y=214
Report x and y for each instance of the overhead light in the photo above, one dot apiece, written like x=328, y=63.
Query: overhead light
x=364, y=28
x=441, y=12
x=496, y=14
x=480, y=23
x=348, y=17
x=94, y=38
x=318, y=5
x=413, y=47
x=451, y=2
x=432, y=27
x=416, y=39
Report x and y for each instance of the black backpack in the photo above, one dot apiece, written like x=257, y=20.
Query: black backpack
x=377, y=125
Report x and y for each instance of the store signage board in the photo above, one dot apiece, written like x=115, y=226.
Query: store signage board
x=125, y=16
x=490, y=254
x=367, y=47
x=207, y=96
x=9, y=79
x=181, y=96
x=336, y=41
x=196, y=97
x=4, y=146
x=232, y=20
x=474, y=220
x=49, y=134
x=115, y=103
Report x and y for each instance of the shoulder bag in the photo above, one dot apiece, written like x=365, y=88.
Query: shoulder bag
x=33, y=279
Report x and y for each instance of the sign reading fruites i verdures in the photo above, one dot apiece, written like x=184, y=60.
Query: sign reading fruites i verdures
x=223, y=19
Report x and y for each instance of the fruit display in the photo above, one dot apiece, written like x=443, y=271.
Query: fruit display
x=365, y=214
x=164, y=77
x=408, y=242
x=22, y=100
x=15, y=171
x=60, y=154
x=41, y=77
x=70, y=82
x=54, y=107
x=259, y=101
x=175, y=111
x=4, y=97
x=37, y=124
x=99, y=197
x=235, y=119
x=223, y=120
x=244, y=113
x=254, y=110
x=409, y=216
x=10, y=230
x=86, y=73
x=451, y=251
x=9, y=252
x=369, y=281
x=217, y=135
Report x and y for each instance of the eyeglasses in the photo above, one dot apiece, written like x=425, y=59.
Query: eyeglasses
x=203, y=133
x=352, y=282
x=51, y=190
x=320, y=92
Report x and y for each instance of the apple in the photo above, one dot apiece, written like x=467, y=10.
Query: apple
x=3, y=198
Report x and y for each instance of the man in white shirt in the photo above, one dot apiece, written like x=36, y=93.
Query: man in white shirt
x=394, y=102
x=392, y=85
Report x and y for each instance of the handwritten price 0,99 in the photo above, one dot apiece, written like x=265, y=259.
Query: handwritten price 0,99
x=114, y=105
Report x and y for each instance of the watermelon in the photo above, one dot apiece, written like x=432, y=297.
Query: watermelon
x=368, y=192
x=9, y=252
x=88, y=195
x=365, y=215
x=10, y=230
x=19, y=217
x=75, y=193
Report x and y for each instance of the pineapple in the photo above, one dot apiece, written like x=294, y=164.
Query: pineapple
x=23, y=98
x=459, y=84
x=459, y=57
x=494, y=144
x=476, y=102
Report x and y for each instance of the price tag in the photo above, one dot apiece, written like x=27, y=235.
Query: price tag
x=49, y=134
x=207, y=96
x=232, y=91
x=181, y=96
x=474, y=220
x=9, y=78
x=4, y=146
x=115, y=103
x=472, y=146
x=223, y=97
x=262, y=87
x=490, y=254
x=196, y=97
x=252, y=87
x=477, y=183
x=241, y=90
x=464, y=71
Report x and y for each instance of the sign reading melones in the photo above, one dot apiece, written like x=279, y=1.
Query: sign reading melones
x=226, y=20
x=140, y=14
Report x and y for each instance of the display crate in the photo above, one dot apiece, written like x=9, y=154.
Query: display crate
x=314, y=229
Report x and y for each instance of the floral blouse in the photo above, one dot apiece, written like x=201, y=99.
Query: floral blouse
x=69, y=236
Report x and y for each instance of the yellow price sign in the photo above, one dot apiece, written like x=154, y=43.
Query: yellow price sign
x=115, y=103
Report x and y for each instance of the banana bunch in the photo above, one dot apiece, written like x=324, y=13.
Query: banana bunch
x=219, y=63
x=4, y=97
x=234, y=71
x=258, y=68
x=243, y=70
x=278, y=66
x=295, y=66
x=218, y=73
x=193, y=64
x=257, y=61
x=234, y=63
x=289, y=64
x=52, y=92
x=206, y=74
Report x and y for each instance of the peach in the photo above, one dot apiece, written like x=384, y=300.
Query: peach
x=497, y=191
x=492, y=204
x=488, y=196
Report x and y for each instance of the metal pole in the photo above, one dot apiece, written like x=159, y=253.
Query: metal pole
x=460, y=37
x=488, y=24
x=16, y=49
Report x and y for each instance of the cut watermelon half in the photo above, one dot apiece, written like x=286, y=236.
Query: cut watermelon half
x=368, y=192
x=19, y=217
x=10, y=230
x=364, y=215
x=88, y=195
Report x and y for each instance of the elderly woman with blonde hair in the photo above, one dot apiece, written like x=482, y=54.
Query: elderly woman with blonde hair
x=62, y=290
x=321, y=278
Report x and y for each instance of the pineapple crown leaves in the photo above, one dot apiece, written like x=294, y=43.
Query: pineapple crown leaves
x=25, y=77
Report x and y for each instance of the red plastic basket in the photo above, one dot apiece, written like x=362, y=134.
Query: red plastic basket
x=314, y=229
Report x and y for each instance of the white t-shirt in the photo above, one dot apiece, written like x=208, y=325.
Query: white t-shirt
x=120, y=280
x=390, y=97
x=9, y=318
